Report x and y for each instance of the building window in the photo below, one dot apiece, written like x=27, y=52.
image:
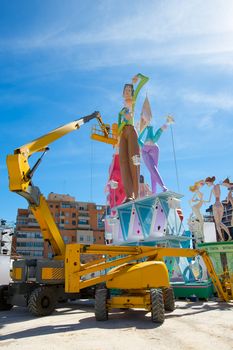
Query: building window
x=30, y=244
x=83, y=222
x=67, y=222
x=38, y=235
x=67, y=214
x=100, y=222
x=82, y=208
x=29, y=235
x=84, y=214
x=22, y=222
x=73, y=222
x=51, y=206
x=37, y=253
x=66, y=239
x=81, y=239
x=73, y=215
x=68, y=205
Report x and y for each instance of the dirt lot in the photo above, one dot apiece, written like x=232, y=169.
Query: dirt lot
x=193, y=325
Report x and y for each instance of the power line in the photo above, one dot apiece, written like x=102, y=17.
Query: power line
x=174, y=155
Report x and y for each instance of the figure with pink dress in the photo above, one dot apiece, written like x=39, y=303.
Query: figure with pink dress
x=115, y=187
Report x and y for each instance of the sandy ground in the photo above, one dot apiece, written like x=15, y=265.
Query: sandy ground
x=193, y=325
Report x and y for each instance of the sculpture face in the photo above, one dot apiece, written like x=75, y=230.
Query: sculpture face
x=128, y=93
x=228, y=185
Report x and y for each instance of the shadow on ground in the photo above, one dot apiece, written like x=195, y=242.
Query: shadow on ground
x=138, y=319
x=200, y=307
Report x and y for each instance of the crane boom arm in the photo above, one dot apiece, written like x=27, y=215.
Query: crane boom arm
x=42, y=142
x=125, y=255
x=20, y=179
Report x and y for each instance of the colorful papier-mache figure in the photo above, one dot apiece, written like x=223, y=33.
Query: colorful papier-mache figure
x=218, y=208
x=115, y=188
x=148, y=142
x=229, y=199
x=196, y=217
x=128, y=147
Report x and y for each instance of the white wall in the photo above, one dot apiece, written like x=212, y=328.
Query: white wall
x=209, y=232
x=4, y=269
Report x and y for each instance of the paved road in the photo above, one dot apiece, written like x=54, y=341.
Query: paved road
x=196, y=325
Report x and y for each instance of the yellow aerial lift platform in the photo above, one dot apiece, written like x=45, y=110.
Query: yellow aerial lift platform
x=138, y=273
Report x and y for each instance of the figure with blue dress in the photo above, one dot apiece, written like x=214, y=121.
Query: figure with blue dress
x=147, y=140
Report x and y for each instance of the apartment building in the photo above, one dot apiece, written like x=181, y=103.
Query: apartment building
x=80, y=222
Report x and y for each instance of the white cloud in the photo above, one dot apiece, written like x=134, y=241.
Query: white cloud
x=161, y=31
x=206, y=122
x=219, y=101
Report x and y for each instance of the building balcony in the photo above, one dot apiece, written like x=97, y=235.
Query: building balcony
x=33, y=224
x=83, y=217
x=86, y=241
x=32, y=249
x=84, y=210
x=85, y=226
x=30, y=239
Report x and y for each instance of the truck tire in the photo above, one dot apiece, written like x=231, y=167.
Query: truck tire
x=101, y=309
x=157, y=305
x=4, y=306
x=169, y=299
x=42, y=301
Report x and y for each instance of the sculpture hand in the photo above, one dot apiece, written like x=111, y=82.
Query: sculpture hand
x=170, y=119
x=164, y=127
x=135, y=79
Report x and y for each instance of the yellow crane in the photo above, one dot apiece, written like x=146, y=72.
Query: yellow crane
x=138, y=273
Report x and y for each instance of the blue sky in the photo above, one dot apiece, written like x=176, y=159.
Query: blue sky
x=61, y=60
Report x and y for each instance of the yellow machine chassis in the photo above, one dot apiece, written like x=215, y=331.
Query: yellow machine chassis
x=74, y=270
